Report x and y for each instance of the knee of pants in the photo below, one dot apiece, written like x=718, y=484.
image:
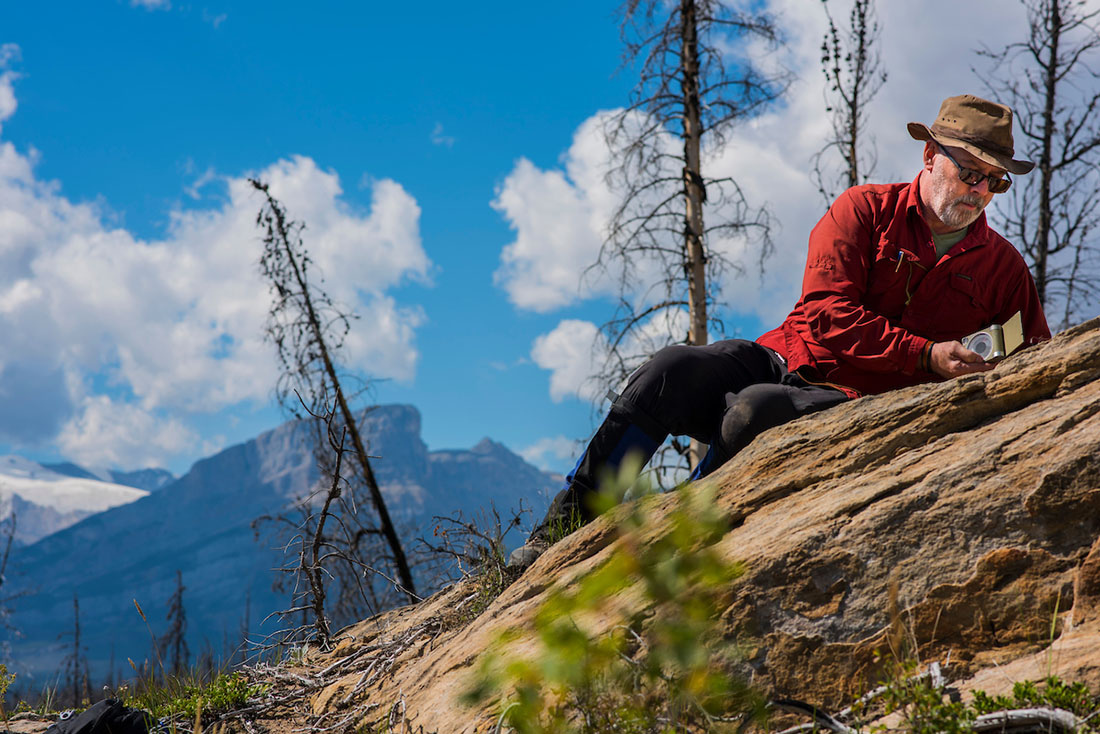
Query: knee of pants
x=667, y=363
x=751, y=412
x=666, y=388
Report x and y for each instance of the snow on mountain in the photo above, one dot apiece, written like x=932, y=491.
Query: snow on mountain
x=148, y=479
x=45, y=501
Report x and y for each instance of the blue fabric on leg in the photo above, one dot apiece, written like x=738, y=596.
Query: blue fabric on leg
x=633, y=439
x=709, y=463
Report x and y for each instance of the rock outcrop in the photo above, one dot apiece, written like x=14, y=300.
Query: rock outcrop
x=973, y=505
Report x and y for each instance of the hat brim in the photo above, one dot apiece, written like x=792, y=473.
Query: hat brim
x=920, y=131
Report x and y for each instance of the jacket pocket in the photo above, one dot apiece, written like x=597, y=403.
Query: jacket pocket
x=963, y=307
x=886, y=282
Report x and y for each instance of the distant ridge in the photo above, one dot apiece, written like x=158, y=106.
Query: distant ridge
x=148, y=479
x=200, y=524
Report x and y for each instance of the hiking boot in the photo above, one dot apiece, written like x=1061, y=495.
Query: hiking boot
x=527, y=553
x=562, y=518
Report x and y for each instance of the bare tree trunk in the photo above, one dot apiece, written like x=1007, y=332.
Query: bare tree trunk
x=694, y=193
x=1049, y=79
x=697, y=80
x=389, y=532
x=1050, y=89
x=857, y=102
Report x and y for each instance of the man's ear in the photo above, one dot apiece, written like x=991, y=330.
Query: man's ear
x=929, y=155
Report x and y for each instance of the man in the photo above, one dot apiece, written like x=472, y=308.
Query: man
x=896, y=275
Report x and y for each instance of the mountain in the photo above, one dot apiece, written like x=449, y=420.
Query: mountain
x=45, y=501
x=201, y=525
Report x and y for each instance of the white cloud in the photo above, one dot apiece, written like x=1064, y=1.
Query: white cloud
x=575, y=350
x=542, y=269
x=151, y=4
x=174, y=326
x=570, y=352
x=109, y=433
x=551, y=453
x=194, y=190
x=559, y=215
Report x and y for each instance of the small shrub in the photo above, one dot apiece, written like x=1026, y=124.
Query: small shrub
x=663, y=668
x=925, y=709
x=191, y=696
x=1053, y=691
x=922, y=704
x=473, y=550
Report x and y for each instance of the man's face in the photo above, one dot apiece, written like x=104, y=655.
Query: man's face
x=951, y=204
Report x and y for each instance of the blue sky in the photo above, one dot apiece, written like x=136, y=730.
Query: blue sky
x=446, y=162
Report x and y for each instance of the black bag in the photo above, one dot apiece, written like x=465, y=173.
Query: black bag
x=106, y=717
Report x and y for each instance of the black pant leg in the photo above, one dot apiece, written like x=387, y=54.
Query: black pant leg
x=759, y=407
x=682, y=388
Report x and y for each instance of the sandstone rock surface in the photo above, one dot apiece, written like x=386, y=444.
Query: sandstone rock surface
x=976, y=499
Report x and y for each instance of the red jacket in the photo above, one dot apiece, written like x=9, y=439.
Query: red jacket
x=874, y=294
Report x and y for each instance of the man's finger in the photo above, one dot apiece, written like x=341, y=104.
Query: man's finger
x=967, y=355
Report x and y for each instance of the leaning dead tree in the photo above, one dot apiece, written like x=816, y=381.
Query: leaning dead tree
x=853, y=70
x=1051, y=79
x=669, y=240
x=308, y=330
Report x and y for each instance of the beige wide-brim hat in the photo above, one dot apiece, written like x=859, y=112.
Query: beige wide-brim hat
x=980, y=127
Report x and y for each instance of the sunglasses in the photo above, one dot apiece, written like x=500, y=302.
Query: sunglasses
x=970, y=177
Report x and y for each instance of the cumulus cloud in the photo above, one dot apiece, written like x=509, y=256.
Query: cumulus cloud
x=559, y=215
x=551, y=453
x=173, y=326
x=570, y=352
x=574, y=351
x=105, y=432
x=555, y=240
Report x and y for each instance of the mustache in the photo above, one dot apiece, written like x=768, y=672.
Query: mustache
x=970, y=199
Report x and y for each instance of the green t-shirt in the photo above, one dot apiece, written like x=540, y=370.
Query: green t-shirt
x=946, y=241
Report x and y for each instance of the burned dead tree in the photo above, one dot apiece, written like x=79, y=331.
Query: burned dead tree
x=697, y=80
x=1051, y=80
x=308, y=331
x=74, y=666
x=853, y=71
x=173, y=643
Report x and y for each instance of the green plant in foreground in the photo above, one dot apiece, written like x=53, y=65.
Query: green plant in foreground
x=191, y=696
x=6, y=679
x=1053, y=691
x=925, y=710
x=922, y=705
x=663, y=667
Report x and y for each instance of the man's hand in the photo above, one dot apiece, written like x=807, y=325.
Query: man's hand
x=952, y=359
